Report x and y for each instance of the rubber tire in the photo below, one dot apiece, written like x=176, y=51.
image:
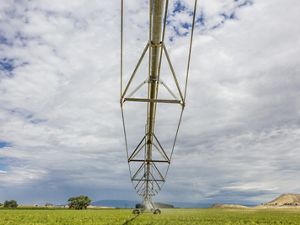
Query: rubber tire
x=136, y=211
x=157, y=211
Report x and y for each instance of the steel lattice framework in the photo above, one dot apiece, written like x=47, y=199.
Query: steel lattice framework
x=145, y=169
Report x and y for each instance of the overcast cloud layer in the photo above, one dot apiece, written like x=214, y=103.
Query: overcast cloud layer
x=60, y=123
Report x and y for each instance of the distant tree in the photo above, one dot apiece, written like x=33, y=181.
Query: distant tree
x=49, y=204
x=10, y=204
x=1, y=204
x=79, y=202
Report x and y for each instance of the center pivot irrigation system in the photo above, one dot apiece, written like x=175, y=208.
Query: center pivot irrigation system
x=146, y=171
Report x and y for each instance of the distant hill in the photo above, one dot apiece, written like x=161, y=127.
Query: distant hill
x=285, y=200
x=131, y=204
x=191, y=204
x=163, y=205
x=228, y=206
x=126, y=204
x=116, y=203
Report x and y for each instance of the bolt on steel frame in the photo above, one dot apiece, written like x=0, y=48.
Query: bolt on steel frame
x=148, y=179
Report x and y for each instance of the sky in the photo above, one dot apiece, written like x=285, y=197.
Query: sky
x=60, y=122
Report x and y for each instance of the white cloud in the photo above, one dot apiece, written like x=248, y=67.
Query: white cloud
x=60, y=109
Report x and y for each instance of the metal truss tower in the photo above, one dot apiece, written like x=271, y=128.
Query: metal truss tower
x=147, y=176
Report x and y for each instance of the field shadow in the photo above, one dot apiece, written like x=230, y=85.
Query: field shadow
x=130, y=220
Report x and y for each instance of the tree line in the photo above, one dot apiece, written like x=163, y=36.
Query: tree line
x=78, y=202
x=12, y=204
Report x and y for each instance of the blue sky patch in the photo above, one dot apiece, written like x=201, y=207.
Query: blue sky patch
x=200, y=20
x=4, y=144
x=186, y=25
x=179, y=7
x=4, y=40
x=3, y=167
x=178, y=33
x=7, y=65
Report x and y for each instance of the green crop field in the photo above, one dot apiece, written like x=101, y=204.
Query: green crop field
x=168, y=216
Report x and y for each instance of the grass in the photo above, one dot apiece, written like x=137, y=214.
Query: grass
x=168, y=216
